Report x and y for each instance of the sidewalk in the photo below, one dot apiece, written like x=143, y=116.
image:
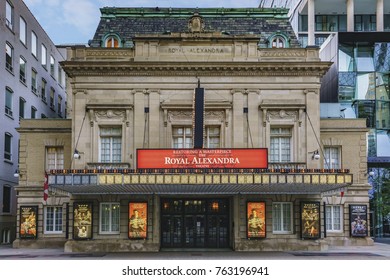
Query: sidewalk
x=377, y=251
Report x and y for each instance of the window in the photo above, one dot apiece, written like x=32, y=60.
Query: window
x=23, y=31
x=22, y=70
x=212, y=137
x=333, y=218
x=278, y=42
x=7, y=146
x=54, y=158
x=9, y=15
x=52, y=94
x=280, y=144
x=43, y=90
x=282, y=217
x=112, y=42
x=53, y=219
x=43, y=116
x=9, y=52
x=110, y=144
x=52, y=66
x=44, y=56
x=332, y=157
x=182, y=137
x=22, y=105
x=34, y=44
x=8, y=102
x=33, y=80
x=109, y=217
x=33, y=112
x=6, y=199
x=59, y=105
x=60, y=76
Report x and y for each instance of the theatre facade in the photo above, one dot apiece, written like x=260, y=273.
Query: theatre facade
x=193, y=128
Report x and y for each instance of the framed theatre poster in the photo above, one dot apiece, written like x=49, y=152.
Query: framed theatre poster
x=138, y=220
x=28, y=222
x=358, y=220
x=82, y=220
x=310, y=220
x=255, y=213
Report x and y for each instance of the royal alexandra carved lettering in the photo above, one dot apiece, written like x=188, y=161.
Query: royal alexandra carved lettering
x=195, y=50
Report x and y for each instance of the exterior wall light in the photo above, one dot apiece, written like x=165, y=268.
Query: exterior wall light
x=16, y=174
x=316, y=155
x=76, y=154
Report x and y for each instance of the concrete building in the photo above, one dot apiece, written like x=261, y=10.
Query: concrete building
x=194, y=128
x=32, y=85
x=355, y=36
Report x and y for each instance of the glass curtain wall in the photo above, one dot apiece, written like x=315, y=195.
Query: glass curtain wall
x=364, y=71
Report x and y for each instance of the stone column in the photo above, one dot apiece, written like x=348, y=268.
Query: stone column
x=139, y=118
x=253, y=119
x=350, y=16
x=311, y=22
x=154, y=120
x=379, y=16
x=238, y=121
x=313, y=127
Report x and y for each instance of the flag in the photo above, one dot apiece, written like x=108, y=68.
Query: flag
x=46, y=188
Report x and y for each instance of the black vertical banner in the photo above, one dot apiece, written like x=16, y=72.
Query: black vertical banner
x=199, y=118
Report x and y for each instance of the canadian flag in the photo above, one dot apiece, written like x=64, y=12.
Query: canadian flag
x=46, y=188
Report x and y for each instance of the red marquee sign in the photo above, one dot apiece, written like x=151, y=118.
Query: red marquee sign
x=202, y=158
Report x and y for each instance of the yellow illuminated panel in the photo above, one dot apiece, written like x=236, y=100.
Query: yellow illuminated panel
x=315, y=179
x=184, y=179
x=118, y=179
x=102, y=179
x=323, y=179
x=306, y=179
x=152, y=179
x=224, y=179
x=233, y=179
x=208, y=179
x=160, y=179
x=265, y=179
x=168, y=179
x=135, y=179
x=200, y=179
x=257, y=179
x=126, y=179
x=298, y=179
x=110, y=179
x=216, y=179
x=331, y=179
x=282, y=179
x=340, y=179
x=192, y=179
x=143, y=179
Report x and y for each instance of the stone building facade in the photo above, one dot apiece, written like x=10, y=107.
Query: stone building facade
x=133, y=96
x=32, y=86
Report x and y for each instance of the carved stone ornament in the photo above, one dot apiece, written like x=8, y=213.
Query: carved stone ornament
x=215, y=115
x=282, y=114
x=196, y=23
x=179, y=115
x=120, y=115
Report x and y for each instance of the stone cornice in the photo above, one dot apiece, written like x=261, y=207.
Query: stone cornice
x=90, y=68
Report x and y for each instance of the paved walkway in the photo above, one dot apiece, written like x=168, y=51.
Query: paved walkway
x=379, y=250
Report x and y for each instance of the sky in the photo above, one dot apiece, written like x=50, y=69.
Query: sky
x=75, y=21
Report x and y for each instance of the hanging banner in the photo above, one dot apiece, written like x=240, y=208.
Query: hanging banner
x=310, y=220
x=138, y=220
x=28, y=222
x=82, y=220
x=255, y=219
x=202, y=158
x=358, y=220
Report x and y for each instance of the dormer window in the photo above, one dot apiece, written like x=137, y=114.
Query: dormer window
x=278, y=42
x=112, y=42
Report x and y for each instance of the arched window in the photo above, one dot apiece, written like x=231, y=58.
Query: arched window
x=278, y=40
x=111, y=42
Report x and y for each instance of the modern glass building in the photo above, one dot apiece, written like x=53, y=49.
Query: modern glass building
x=355, y=36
